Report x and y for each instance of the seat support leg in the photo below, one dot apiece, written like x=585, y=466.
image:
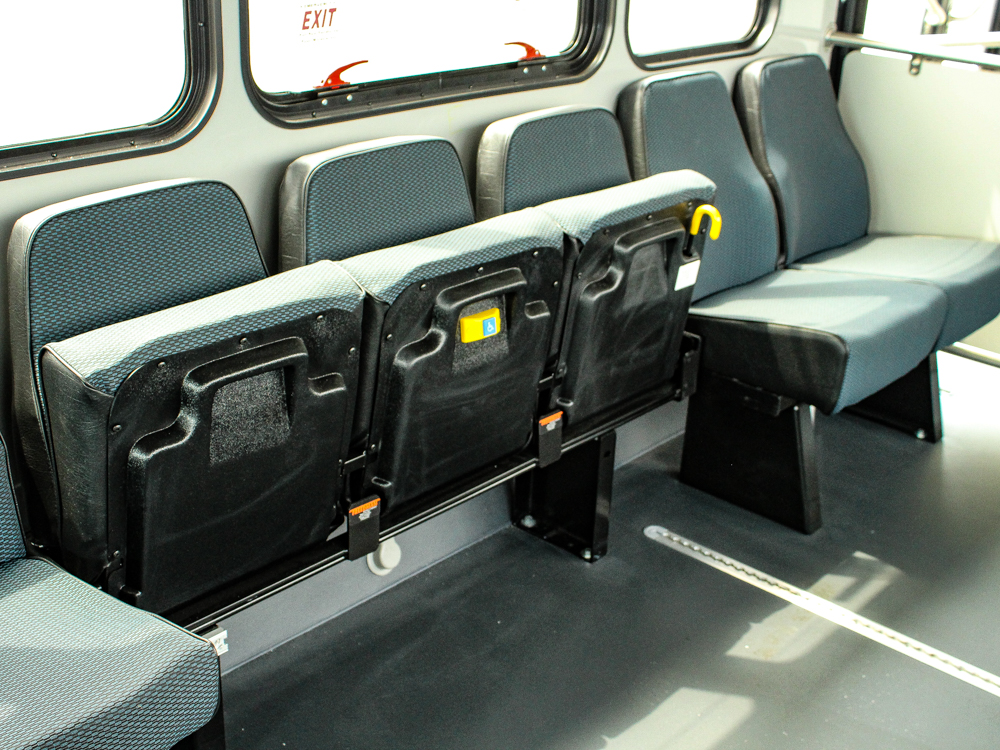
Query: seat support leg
x=753, y=448
x=911, y=404
x=568, y=502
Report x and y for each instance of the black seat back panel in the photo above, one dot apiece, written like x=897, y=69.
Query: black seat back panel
x=232, y=411
x=444, y=407
x=626, y=316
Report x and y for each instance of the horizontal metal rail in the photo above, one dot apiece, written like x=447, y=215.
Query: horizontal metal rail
x=925, y=50
x=974, y=353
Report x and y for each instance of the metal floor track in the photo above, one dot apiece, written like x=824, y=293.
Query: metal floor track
x=515, y=644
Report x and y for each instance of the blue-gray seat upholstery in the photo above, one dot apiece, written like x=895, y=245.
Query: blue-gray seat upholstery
x=93, y=261
x=82, y=671
x=366, y=196
x=968, y=271
x=542, y=156
x=686, y=121
x=800, y=144
x=826, y=339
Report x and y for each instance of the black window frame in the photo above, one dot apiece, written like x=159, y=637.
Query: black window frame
x=194, y=105
x=759, y=35
x=593, y=36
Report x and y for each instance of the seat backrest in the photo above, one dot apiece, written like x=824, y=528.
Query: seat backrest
x=11, y=539
x=366, y=196
x=687, y=121
x=797, y=138
x=97, y=260
x=542, y=156
x=229, y=416
x=459, y=330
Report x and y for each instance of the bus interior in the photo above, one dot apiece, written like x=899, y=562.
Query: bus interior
x=543, y=374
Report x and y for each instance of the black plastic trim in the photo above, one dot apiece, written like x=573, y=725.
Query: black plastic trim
x=203, y=21
x=850, y=18
x=760, y=34
x=305, y=109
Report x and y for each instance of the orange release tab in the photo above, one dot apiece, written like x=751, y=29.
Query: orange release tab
x=367, y=506
x=551, y=418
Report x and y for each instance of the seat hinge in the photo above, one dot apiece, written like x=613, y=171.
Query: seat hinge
x=352, y=465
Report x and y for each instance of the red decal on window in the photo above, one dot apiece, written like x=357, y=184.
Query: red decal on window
x=334, y=81
x=531, y=52
x=305, y=20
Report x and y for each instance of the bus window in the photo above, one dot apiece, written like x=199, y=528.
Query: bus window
x=79, y=67
x=657, y=28
x=300, y=47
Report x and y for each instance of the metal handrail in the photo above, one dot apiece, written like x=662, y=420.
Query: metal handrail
x=927, y=51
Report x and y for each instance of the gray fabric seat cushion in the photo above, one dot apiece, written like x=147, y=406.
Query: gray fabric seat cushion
x=583, y=215
x=800, y=144
x=829, y=339
x=354, y=199
x=386, y=273
x=11, y=539
x=83, y=671
x=687, y=121
x=103, y=358
x=542, y=156
x=968, y=271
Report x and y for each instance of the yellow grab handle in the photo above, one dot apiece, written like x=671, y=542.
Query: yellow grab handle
x=711, y=211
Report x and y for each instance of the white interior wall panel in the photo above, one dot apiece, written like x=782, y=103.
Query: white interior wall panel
x=931, y=145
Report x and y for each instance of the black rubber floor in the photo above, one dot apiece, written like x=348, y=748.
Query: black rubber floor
x=515, y=644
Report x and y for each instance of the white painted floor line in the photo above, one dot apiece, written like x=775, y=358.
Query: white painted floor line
x=830, y=611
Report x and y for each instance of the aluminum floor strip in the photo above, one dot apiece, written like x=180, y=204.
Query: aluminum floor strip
x=829, y=611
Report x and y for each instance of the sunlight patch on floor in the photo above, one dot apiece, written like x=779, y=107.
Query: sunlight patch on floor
x=689, y=719
x=791, y=632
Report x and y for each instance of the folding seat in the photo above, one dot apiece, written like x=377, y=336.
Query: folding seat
x=630, y=260
x=798, y=140
x=458, y=332
x=371, y=195
x=104, y=674
x=185, y=414
x=774, y=341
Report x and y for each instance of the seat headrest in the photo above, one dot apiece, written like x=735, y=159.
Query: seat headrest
x=542, y=156
x=686, y=121
x=354, y=199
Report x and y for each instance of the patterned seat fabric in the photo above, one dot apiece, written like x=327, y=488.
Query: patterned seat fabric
x=97, y=260
x=542, y=156
x=800, y=144
x=82, y=671
x=366, y=196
